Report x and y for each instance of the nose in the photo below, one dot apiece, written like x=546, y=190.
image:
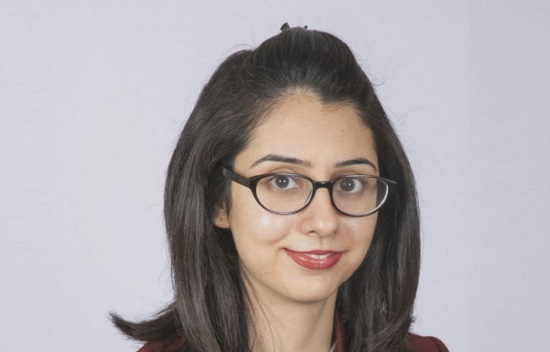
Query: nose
x=320, y=217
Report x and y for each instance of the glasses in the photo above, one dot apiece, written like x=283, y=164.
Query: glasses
x=285, y=193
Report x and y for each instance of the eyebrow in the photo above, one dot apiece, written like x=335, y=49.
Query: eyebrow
x=356, y=161
x=296, y=161
x=281, y=159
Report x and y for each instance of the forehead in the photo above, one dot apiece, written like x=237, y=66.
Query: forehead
x=301, y=126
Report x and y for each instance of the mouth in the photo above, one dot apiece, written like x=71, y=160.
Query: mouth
x=315, y=260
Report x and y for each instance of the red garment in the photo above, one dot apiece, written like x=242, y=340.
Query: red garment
x=426, y=344
x=418, y=344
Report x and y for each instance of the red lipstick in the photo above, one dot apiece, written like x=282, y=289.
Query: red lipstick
x=315, y=260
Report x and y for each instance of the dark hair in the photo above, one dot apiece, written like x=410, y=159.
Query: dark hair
x=375, y=305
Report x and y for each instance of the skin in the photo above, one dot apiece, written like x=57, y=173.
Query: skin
x=292, y=306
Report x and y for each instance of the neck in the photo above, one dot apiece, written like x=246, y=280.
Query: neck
x=284, y=326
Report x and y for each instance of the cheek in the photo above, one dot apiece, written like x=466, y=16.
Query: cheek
x=362, y=231
x=251, y=223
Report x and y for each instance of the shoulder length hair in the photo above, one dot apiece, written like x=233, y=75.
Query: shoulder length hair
x=209, y=308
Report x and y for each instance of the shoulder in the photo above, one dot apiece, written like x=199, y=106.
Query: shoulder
x=172, y=346
x=426, y=344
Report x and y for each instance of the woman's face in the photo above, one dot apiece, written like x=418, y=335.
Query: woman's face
x=302, y=257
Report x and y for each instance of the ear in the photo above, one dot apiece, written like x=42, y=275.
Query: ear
x=221, y=219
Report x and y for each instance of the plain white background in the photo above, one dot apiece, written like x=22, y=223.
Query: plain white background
x=93, y=95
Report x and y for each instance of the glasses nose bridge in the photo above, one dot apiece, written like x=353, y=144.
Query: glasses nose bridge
x=321, y=184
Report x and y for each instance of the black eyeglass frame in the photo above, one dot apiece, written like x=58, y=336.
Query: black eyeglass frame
x=252, y=182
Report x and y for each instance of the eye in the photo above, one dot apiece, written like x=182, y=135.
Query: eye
x=350, y=185
x=283, y=182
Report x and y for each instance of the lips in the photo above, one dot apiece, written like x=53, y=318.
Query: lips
x=315, y=260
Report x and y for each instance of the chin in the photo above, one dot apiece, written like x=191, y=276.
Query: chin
x=313, y=293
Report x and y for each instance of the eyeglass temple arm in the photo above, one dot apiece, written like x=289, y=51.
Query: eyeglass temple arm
x=235, y=177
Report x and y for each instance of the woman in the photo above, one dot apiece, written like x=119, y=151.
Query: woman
x=291, y=211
